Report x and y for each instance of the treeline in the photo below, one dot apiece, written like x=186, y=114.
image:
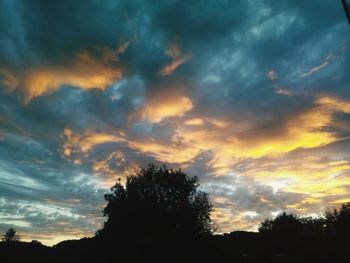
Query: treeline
x=289, y=231
x=161, y=215
x=292, y=238
x=285, y=238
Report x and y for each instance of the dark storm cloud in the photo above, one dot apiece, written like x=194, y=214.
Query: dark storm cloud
x=54, y=32
x=48, y=32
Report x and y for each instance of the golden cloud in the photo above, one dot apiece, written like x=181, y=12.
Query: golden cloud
x=80, y=144
x=314, y=176
x=166, y=152
x=188, y=141
x=85, y=72
x=226, y=220
x=195, y=121
x=113, y=167
x=305, y=130
x=161, y=107
x=320, y=181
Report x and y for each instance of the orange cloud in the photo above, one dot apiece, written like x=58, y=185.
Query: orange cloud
x=195, y=121
x=226, y=220
x=114, y=166
x=85, y=72
x=311, y=176
x=160, y=107
x=178, y=58
x=204, y=121
x=226, y=147
x=80, y=144
x=301, y=131
x=166, y=152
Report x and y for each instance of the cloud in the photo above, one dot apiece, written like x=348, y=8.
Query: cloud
x=9, y=80
x=178, y=58
x=272, y=75
x=306, y=130
x=320, y=180
x=85, y=72
x=196, y=121
x=284, y=91
x=78, y=146
x=81, y=144
x=113, y=167
x=315, y=176
x=31, y=218
x=160, y=107
x=224, y=218
x=327, y=60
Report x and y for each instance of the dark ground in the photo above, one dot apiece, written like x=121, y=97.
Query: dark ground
x=234, y=247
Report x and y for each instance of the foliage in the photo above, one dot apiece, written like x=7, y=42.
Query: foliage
x=158, y=202
x=36, y=242
x=10, y=236
x=283, y=223
x=337, y=221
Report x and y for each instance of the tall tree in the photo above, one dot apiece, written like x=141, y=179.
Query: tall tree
x=155, y=203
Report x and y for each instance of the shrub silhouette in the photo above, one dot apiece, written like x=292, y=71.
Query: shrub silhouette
x=10, y=236
x=337, y=223
x=283, y=232
x=157, y=203
x=286, y=224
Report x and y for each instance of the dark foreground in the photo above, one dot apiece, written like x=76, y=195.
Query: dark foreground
x=234, y=247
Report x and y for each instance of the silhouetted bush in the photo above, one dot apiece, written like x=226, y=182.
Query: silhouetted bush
x=283, y=232
x=10, y=236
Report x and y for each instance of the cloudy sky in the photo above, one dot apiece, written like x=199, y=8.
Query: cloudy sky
x=252, y=96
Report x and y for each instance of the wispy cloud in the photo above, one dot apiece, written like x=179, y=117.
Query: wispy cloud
x=178, y=58
x=272, y=75
x=312, y=71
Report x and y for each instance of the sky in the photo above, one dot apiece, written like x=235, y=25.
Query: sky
x=251, y=96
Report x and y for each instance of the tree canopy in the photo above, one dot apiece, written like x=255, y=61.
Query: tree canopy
x=10, y=236
x=155, y=203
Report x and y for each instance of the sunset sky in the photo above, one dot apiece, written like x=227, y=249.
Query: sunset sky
x=251, y=96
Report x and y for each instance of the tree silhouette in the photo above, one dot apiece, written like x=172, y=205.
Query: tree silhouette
x=337, y=222
x=283, y=232
x=36, y=242
x=10, y=236
x=284, y=223
x=157, y=203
